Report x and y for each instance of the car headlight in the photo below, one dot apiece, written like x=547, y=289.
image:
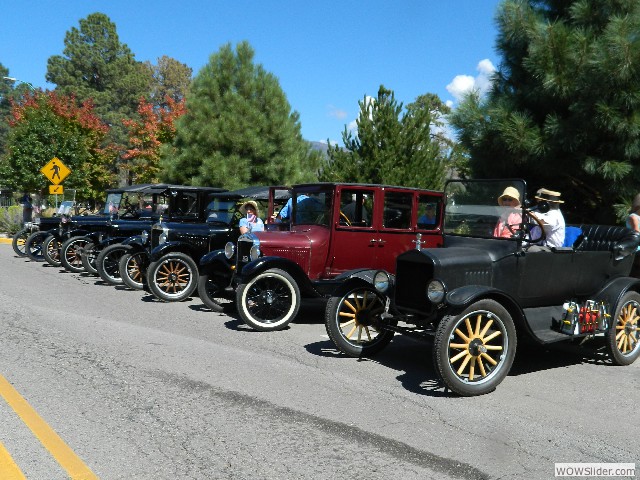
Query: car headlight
x=381, y=281
x=163, y=236
x=254, y=253
x=229, y=250
x=436, y=291
x=145, y=237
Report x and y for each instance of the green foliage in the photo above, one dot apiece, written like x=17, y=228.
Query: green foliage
x=96, y=65
x=239, y=128
x=11, y=219
x=392, y=147
x=49, y=125
x=564, y=110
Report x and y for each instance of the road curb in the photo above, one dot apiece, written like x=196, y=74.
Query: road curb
x=5, y=240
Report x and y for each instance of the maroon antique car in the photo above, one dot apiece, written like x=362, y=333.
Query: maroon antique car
x=333, y=229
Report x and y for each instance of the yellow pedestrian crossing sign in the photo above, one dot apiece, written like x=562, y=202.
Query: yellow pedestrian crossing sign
x=56, y=189
x=55, y=171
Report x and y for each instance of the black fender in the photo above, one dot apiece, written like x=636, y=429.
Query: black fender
x=106, y=242
x=167, y=248
x=360, y=277
x=613, y=291
x=215, y=261
x=462, y=297
x=261, y=264
x=136, y=242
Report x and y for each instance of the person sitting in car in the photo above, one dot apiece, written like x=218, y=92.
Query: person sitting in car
x=251, y=222
x=511, y=218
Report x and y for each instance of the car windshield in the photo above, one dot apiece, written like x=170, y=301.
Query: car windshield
x=476, y=208
x=221, y=210
x=112, y=203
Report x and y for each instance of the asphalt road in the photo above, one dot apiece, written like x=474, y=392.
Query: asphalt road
x=139, y=389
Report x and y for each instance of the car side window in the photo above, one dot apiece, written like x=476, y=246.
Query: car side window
x=355, y=208
x=186, y=204
x=428, y=212
x=397, y=210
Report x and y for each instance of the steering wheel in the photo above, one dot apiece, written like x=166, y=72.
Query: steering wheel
x=528, y=228
x=345, y=219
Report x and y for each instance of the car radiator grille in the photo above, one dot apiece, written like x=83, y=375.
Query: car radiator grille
x=411, y=285
x=155, y=237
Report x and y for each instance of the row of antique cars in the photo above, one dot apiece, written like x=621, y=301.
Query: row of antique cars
x=389, y=260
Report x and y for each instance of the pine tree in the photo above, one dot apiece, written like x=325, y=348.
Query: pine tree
x=392, y=146
x=96, y=65
x=239, y=129
x=564, y=110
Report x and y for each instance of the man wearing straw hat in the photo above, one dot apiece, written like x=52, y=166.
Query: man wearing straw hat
x=553, y=220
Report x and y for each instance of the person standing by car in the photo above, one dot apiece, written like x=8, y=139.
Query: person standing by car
x=553, y=220
x=27, y=207
x=633, y=223
x=251, y=222
x=511, y=218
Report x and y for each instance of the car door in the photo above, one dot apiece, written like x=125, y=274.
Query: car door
x=404, y=215
x=354, y=237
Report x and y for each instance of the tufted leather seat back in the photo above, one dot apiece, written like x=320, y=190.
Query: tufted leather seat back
x=606, y=238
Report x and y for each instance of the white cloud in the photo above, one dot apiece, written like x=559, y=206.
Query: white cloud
x=336, y=112
x=463, y=84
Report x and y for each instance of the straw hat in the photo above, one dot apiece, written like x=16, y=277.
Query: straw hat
x=510, y=192
x=243, y=208
x=548, y=196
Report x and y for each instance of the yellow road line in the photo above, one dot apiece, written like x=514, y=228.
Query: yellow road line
x=8, y=468
x=63, y=454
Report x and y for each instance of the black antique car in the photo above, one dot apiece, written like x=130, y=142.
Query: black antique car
x=174, y=203
x=28, y=241
x=174, y=249
x=478, y=296
x=334, y=228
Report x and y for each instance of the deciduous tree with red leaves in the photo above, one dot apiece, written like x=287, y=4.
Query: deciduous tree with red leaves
x=149, y=136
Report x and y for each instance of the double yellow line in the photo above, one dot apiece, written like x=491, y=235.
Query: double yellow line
x=62, y=453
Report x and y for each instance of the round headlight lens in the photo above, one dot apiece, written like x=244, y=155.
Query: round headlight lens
x=229, y=250
x=163, y=236
x=435, y=291
x=254, y=253
x=381, y=281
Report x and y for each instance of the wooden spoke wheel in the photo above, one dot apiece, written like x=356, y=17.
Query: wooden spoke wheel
x=19, y=240
x=354, y=323
x=474, y=351
x=133, y=267
x=33, y=246
x=623, y=336
x=173, y=278
x=51, y=251
x=71, y=253
x=108, y=263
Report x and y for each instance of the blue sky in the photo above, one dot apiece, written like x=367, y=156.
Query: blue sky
x=326, y=54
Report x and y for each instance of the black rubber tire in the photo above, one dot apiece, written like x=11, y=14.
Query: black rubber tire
x=133, y=269
x=108, y=263
x=211, y=289
x=71, y=253
x=268, y=301
x=485, y=326
x=357, y=312
x=173, y=278
x=51, y=251
x=89, y=256
x=33, y=246
x=623, y=336
x=19, y=240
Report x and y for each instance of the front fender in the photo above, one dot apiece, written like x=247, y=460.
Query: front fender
x=361, y=277
x=168, y=247
x=460, y=298
x=106, y=242
x=136, y=242
x=215, y=261
x=259, y=265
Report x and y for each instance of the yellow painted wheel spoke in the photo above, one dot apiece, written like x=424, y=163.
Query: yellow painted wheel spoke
x=492, y=336
x=481, y=366
x=467, y=322
x=621, y=342
x=478, y=322
x=620, y=333
x=464, y=363
x=352, y=331
x=488, y=359
x=462, y=335
x=347, y=314
x=348, y=304
x=458, y=345
x=472, y=369
x=345, y=324
x=486, y=327
x=366, y=329
x=493, y=347
x=459, y=356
